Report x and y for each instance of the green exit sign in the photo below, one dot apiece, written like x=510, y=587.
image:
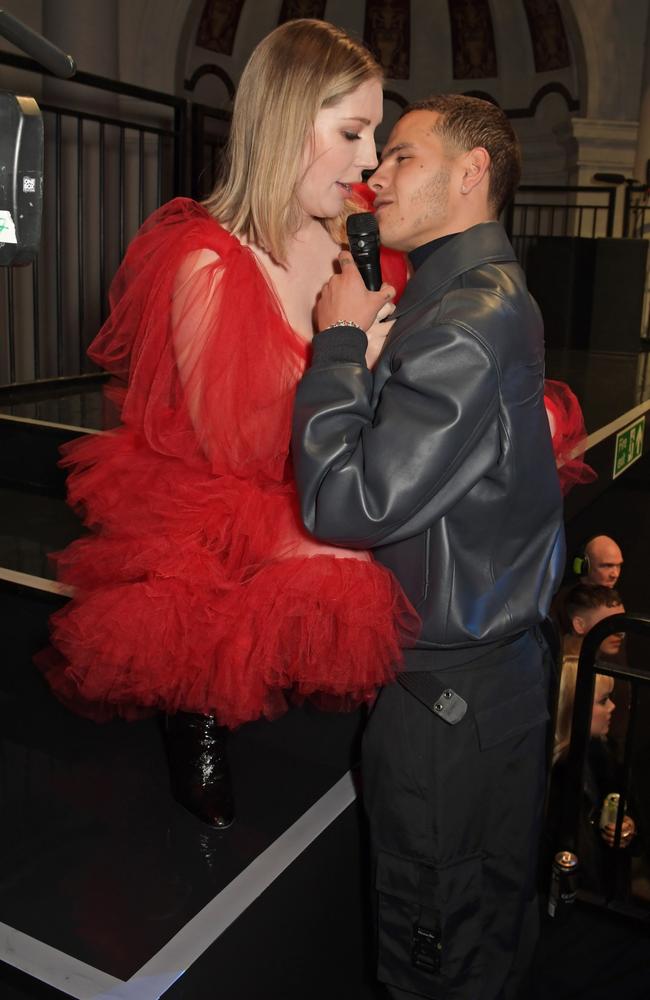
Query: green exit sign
x=629, y=446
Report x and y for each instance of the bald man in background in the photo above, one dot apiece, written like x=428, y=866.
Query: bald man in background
x=599, y=564
x=604, y=562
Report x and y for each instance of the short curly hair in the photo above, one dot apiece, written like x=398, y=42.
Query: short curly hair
x=583, y=597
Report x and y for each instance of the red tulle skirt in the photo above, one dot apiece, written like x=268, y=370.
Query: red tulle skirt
x=195, y=595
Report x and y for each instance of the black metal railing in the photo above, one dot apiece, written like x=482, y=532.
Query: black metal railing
x=636, y=225
x=210, y=127
x=613, y=896
x=106, y=169
x=636, y=212
x=104, y=173
x=542, y=210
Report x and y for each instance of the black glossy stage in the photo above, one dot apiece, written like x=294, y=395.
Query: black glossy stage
x=110, y=891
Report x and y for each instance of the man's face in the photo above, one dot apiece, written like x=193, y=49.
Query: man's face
x=417, y=184
x=589, y=617
x=605, y=562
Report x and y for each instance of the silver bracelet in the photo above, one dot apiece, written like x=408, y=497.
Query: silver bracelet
x=345, y=322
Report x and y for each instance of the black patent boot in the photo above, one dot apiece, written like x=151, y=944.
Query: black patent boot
x=198, y=765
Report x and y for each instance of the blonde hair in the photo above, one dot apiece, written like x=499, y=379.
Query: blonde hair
x=301, y=67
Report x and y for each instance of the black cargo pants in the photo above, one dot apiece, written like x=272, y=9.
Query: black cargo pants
x=455, y=814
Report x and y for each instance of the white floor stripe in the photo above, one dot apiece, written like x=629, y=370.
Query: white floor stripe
x=157, y=975
x=35, y=582
x=197, y=935
x=611, y=428
x=49, y=423
x=53, y=966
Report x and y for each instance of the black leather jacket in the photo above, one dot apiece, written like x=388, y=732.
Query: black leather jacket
x=441, y=460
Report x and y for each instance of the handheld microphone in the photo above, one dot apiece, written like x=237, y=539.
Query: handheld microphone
x=363, y=237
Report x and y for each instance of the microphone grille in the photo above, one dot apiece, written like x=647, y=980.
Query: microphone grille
x=362, y=223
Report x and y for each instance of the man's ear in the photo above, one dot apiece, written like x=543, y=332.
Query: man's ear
x=579, y=625
x=475, y=165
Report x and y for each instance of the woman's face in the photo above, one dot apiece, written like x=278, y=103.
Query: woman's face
x=603, y=706
x=342, y=146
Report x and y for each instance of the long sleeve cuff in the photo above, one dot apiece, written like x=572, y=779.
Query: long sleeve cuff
x=341, y=344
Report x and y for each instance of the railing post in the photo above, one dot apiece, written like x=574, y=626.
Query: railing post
x=180, y=149
x=196, y=161
x=627, y=205
x=611, y=210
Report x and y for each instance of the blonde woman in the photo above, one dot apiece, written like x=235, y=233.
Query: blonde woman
x=198, y=593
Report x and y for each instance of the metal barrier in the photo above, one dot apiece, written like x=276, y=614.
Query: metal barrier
x=552, y=210
x=210, y=128
x=636, y=225
x=636, y=214
x=573, y=790
x=104, y=173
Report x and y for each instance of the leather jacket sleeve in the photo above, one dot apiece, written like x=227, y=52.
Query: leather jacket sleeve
x=372, y=473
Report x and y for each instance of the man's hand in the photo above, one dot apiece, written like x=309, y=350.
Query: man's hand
x=345, y=297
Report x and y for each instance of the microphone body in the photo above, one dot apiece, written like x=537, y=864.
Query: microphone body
x=363, y=237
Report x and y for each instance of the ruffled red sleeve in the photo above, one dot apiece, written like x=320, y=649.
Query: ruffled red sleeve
x=234, y=408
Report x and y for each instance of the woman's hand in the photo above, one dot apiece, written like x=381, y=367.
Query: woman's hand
x=628, y=830
x=376, y=338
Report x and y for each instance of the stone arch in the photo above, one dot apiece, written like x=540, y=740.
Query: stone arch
x=149, y=43
x=608, y=41
x=211, y=69
x=579, y=46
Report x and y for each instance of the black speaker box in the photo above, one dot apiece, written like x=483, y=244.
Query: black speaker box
x=590, y=291
x=21, y=178
x=617, y=299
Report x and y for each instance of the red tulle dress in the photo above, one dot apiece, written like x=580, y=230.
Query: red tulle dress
x=197, y=588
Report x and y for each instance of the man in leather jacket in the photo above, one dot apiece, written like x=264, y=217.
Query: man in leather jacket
x=440, y=461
